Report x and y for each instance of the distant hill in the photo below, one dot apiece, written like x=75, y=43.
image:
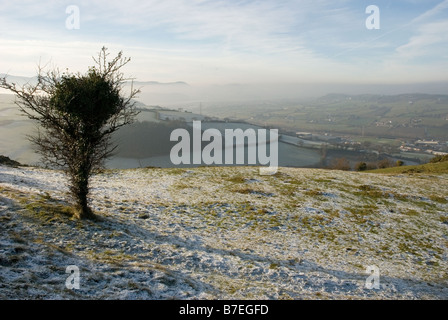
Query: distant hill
x=18, y=79
x=23, y=80
x=156, y=83
x=380, y=98
x=9, y=162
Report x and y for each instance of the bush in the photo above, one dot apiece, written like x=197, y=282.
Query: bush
x=340, y=164
x=78, y=113
x=361, y=166
x=399, y=163
x=385, y=163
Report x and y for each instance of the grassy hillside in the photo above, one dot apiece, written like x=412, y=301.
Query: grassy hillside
x=226, y=233
x=428, y=168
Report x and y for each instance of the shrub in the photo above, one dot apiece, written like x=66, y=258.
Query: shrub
x=77, y=115
x=361, y=166
x=385, y=163
x=340, y=164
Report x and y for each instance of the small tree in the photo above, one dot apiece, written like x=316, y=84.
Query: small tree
x=77, y=115
x=340, y=164
x=399, y=163
x=385, y=163
x=361, y=166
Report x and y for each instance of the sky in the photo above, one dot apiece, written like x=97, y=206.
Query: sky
x=230, y=42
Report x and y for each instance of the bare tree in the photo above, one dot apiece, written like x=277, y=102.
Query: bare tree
x=77, y=115
x=340, y=164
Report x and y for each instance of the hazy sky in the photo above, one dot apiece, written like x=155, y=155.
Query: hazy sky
x=222, y=42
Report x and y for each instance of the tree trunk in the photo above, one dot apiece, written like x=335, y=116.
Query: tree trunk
x=80, y=190
x=83, y=210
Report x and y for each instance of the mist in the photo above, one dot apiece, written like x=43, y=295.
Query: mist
x=179, y=93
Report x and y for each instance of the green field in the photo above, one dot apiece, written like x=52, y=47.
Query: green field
x=428, y=168
x=402, y=116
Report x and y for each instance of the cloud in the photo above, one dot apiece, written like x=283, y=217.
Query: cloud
x=230, y=25
x=431, y=40
x=219, y=41
x=432, y=12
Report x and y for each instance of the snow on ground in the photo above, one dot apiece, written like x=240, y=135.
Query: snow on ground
x=225, y=233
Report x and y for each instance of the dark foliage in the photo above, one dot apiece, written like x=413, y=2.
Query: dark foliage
x=361, y=166
x=8, y=162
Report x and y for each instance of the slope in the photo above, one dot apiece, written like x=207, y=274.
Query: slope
x=226, y=233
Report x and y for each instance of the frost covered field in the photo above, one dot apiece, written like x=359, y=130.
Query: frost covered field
x=226, y=233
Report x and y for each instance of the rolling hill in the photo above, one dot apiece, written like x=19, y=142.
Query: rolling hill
x=226, y=233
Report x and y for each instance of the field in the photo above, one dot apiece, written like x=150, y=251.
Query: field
x=428, y=168
x=226, y=233
x=401, y=116
x=14, y=129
